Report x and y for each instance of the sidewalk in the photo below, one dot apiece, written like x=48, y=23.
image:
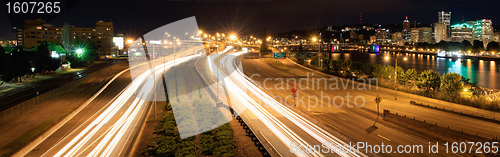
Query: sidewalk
x=26, y=127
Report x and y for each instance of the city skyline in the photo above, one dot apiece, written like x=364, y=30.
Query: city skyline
x=237, y=15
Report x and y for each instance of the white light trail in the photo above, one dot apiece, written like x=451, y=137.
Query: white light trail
x=313, y=130
x=116, y=132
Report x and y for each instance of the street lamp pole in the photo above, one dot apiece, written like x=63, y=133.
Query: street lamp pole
x=396, y=79
x=218, y=58
x=319, y=47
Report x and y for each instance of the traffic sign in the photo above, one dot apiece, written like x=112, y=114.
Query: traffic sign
x=378, y=99
x=294, y=89
x=279, y=55
x=305, y=55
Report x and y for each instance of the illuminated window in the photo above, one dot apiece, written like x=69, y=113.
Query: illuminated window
x=38, y=27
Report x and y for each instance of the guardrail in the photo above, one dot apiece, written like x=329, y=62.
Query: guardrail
x=462, y=113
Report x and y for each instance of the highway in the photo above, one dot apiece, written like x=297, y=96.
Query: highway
x=271, y=117
x=353, y=121
x=108, y=125
x=400, y=106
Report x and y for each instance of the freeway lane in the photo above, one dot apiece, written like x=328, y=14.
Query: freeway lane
x=341, y=119
x=351, y=121
x=108, y=127
x=402, y=105
x=291, y=128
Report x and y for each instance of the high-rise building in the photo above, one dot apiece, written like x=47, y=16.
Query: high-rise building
x=421, y=35
x=462, y=31
x=382, y=35
x=397, y=36
x=482, y=30
x=406, y=34
x=397, y=39
x=37, y=31
x=440, y=32
x=445, y=18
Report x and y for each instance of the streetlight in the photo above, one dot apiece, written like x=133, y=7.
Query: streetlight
x=232, y=37
x=130, y=41
x=396, y=76
x=79, y=51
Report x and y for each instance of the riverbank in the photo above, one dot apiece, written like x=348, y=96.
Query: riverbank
x=479, y=102
x=485, y=58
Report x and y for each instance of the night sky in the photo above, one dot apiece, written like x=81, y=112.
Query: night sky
x=133, y=18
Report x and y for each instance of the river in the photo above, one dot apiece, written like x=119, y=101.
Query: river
x=484, y=72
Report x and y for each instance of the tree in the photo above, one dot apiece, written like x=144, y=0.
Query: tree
x=345, y=65
x=492, y=46
x=466, y=46
x=67, y=37
x=478, y=46
x=6, y=71
x=20, y=66
x=378, y=71
x=264, y=48
x=429, y=79
x=409, y=75
x=8, y=49
x=43, y=59
x=368, y=69
x=451, y=84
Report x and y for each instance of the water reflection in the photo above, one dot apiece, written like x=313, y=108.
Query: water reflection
x=484, y=72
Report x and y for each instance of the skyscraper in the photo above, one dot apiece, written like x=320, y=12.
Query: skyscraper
x=440, y=32
x=421, y=35
x=445, y=18
x=406, y=34
x=483, y=31
x=382, y=35
x=462, y=31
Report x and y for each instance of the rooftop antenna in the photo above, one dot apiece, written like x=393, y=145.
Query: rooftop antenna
x=360, y=18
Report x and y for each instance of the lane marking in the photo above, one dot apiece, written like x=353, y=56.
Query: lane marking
x=342, y=118
x=384, y=137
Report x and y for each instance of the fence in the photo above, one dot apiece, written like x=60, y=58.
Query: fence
x=36, y=101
